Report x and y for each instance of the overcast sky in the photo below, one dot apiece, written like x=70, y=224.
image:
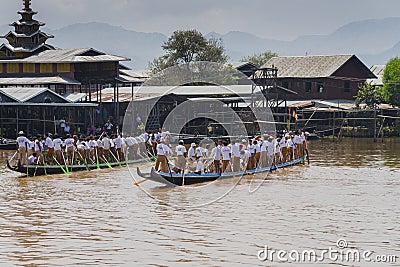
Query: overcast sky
x=278, y=19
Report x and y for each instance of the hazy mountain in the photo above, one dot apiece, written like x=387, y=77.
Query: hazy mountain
x=375, y=41
x=140, y=47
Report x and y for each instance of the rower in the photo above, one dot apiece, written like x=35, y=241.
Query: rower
x=58, y=143
x=246, y=159
x=50, y=148
x=226, y=156
x=69, y=146
x=216, y=155
x=180, y=151
x=32, y=160
x=162, y=161
x=39, y=149
x=236, y=156
x=199, y=166
x=22, y=148
x=191, y=152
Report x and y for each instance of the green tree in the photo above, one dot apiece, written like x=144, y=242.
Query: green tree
x=391, y=82
x=188, y=46
x=370, y=95
x=260, y=58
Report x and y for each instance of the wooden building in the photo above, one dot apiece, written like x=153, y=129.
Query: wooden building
x=27, y=61
x=41, y=110
x=321, y=77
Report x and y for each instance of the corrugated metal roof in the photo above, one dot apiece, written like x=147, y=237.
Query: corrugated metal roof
x=307, y=66
x=25, y=94
x=37, y=80
x=74, y=97
x=144, y=74
x=129, y=79
x=378, y=71
x=67, y=56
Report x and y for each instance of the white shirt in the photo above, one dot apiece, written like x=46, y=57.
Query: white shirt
x=271, y=148
x=161, y=150
x=92, y=144
x=31, y=145
x=22, y=141
x=100, y=144
x=303, y=137
x=200, y=167
x=180, y=150
x=31, y=160
x=57, y=144
x=225, y=151
x=191, y=153
x=297, y=139
x=130, y=141
x=118, y=142
x=38, y=146
x=199, y=152
x=69, y=142
x=106, y=143
x=282, y=143
x=289, y=143
x=216, y=153
x=264, y=145
x=257, y=148
x=49, y=143
x=251, y=148
x=236, y=150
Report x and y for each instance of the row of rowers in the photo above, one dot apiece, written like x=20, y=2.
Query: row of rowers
x=52, y=149
x=258, y=152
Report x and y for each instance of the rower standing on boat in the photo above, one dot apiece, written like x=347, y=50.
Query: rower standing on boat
x=58, y=143
x=235, y=149
x=161, y=162
x=50, y=148
x=39, y=150
x=226, y=156
x=22, y=143
x=180, y=151
x=69, y=146
x=217, y=155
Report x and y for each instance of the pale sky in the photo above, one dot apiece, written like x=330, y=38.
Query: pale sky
x=277, y=19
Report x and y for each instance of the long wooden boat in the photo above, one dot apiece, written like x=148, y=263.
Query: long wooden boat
x=173, y=179
x=33, y=170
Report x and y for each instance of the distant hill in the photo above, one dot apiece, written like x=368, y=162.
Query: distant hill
x=140, y=47
x=374, y=41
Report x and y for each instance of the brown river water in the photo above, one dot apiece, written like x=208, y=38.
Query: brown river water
x=351, y=191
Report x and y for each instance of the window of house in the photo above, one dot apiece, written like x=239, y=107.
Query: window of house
x=321, y=88
x=346, y=87
x=28, y=68
x=12, y=67
x=1, y=67
x=308, y=87
x=46, y=67
x=63, y=67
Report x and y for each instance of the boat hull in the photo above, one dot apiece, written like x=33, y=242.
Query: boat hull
x=57, y=169
x=173, y=179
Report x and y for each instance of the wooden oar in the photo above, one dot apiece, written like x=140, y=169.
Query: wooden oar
x=107, y=163
x=97, y=159
x=60, y=166
x=66, y=165
x=140, y=182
